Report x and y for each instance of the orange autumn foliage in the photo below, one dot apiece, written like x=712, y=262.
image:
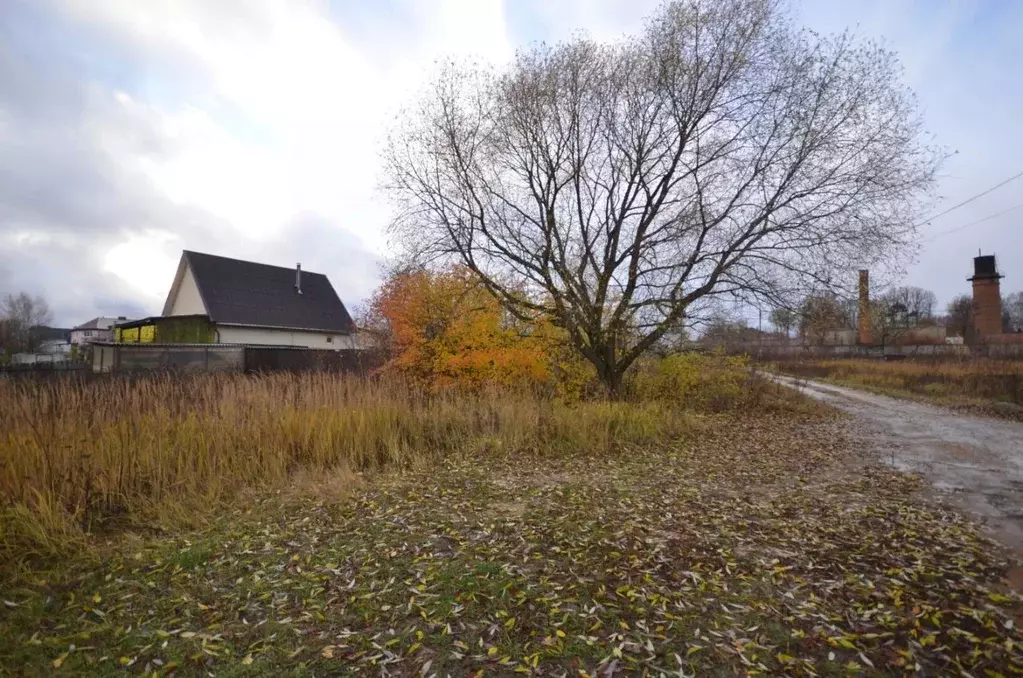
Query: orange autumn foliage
x=445, y=329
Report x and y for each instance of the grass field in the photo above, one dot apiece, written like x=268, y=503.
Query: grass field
x=986, y=386
x=733, y=532
x=762, y=545
x=80, y=458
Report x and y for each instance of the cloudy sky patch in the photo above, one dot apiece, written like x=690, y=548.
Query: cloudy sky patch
x=252, y=128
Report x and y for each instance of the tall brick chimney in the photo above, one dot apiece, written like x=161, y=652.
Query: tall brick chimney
x=866, y=335
x=987, y=297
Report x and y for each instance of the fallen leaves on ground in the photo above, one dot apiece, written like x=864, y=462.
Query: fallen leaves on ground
x=766, y=547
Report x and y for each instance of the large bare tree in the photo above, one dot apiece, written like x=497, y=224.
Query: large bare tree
x=621, y=187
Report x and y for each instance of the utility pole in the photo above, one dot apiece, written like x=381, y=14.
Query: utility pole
x=760, y=333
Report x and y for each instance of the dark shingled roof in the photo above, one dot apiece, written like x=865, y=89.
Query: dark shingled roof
x=239, y=292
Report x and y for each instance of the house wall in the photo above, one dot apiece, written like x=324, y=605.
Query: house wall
x=103, y=358
x=845, y=337
x=54, y=347
x=934, y=334
x=272, y=337
x=169, y=330
x=187, y=301
x=110, y=358
x=79, y=337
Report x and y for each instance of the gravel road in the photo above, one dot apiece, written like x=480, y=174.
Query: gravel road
x=976, y=462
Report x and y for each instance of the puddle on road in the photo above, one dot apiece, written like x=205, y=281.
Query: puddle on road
x=976, y=463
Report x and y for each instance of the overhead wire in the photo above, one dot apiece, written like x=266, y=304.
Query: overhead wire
x=972, y=223
x=969, y=200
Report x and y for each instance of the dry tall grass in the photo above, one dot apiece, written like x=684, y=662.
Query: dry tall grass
x=80, y=455
x=963, y=380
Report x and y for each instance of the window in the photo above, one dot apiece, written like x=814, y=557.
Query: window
x=330, y=340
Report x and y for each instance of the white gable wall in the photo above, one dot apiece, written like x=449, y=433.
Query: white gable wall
x=187, y=301
x=274, y=337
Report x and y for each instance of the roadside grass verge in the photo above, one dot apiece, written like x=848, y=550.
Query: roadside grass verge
x=760, y=544
x=983, y=386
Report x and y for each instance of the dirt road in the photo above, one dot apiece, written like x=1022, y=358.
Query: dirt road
x=976, y=462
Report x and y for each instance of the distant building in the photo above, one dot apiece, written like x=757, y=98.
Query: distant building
x=95, y=330
x=988, y=322
x=54, y=347
x=839, y=337
x=987, y=298
x=218, y=300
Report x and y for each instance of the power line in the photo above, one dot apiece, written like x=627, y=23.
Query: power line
x=973, y=223
x=969, y=200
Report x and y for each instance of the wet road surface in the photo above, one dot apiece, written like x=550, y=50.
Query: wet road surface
x=976, y=462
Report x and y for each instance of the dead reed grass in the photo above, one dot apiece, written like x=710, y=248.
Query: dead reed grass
x=996, y=381
x=77, y=457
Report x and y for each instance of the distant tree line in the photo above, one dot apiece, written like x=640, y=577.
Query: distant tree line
x=19, y=313
x=892, y=314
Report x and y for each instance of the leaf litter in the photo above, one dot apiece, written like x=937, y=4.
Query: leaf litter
x=766, y=545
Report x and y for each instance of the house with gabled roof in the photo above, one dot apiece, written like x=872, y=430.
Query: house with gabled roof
x=95, y=330
x=216, y=299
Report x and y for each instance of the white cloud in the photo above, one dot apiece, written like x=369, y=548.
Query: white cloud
x=284, y=113
x=252, y=127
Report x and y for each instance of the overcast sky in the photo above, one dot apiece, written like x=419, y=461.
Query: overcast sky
x=251, y=128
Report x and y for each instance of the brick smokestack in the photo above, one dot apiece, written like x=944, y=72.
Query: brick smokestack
x=987, y=297
x=866, y=335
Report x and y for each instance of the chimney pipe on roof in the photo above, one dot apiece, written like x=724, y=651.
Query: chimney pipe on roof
x=298, y=278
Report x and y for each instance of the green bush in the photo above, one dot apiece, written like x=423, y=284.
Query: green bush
x=711, y=382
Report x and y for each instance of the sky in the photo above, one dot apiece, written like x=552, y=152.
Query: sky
x=253, y=129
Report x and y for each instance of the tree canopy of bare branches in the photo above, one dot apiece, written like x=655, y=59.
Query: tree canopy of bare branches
x=916, y=303
x=19, y=313
x=1014, y=308
x=719, y=152
x=784, y=319
x=959, y=316
x=820, y=314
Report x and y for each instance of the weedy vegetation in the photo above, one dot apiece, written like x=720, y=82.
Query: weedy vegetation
x=710, y=523
x=982, y=385
x=80, y=457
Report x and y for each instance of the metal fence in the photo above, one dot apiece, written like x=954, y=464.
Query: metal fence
x=108, y=358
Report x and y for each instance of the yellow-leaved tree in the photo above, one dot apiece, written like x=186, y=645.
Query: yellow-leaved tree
x=443, y=328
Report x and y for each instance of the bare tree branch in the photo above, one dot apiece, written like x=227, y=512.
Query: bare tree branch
x=618, y=187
